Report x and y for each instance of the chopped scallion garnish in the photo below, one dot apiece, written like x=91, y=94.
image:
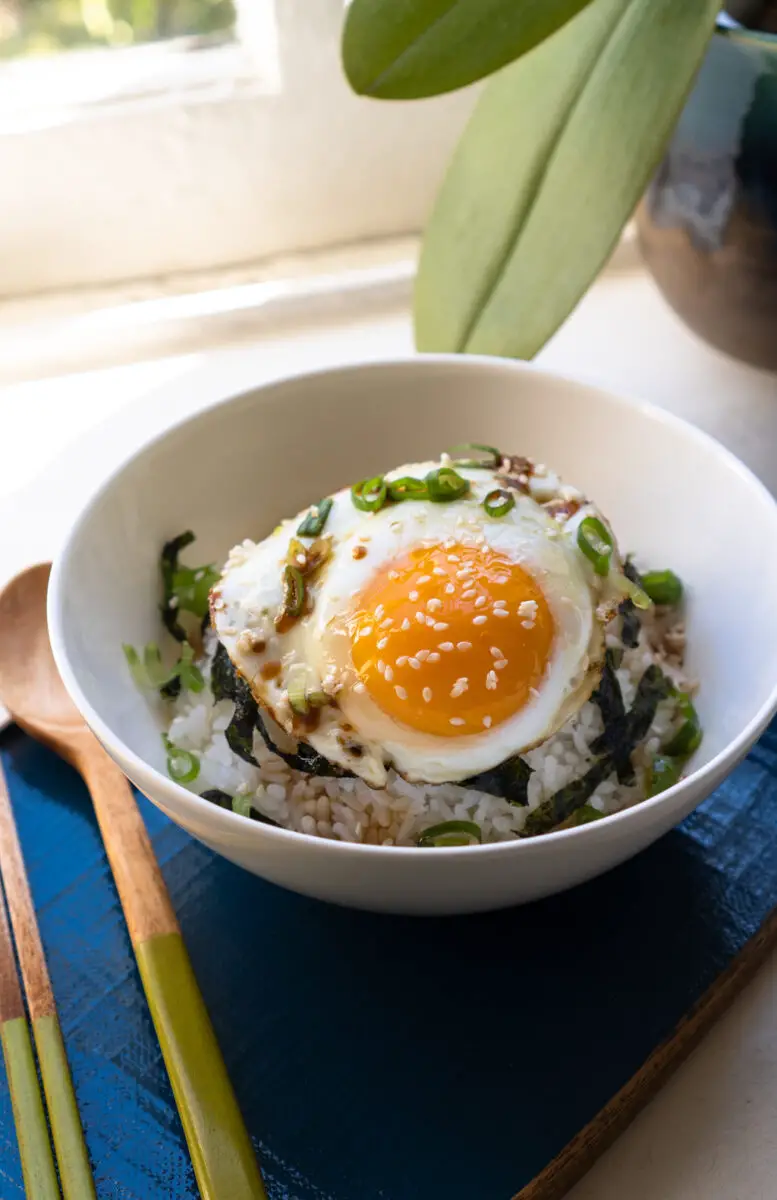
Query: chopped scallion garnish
x=688, y=737
x=297, y=688
x=407, y=488
x=369, y=495
x=663, y=587
x=490, y=456
x=182, y=765
x=293, y=591
x=316, y=519
x=595, y=541
x=451, y=833
x=444, y=485
x=151, y=675
x=499, y=502
x=663, y=772
x=185, y=589
x=241, y=805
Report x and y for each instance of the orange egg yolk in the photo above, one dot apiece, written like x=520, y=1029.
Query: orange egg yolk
x=451, y=640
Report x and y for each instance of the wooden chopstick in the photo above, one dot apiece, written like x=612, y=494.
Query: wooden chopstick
x=40, y=1177
x=74, y=1170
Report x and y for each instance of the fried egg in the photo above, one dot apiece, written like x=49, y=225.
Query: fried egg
x=432, y=637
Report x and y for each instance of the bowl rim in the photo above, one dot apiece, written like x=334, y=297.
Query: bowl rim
x=180, y=798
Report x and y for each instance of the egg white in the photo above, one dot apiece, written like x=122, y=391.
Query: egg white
x=356, y=734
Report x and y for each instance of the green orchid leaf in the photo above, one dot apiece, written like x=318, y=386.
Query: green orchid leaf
x=551, y=166
x=406, y=49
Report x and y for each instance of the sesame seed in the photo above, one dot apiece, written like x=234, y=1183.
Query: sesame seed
x=401, y=693
x=405, y=625
x=434, y=605
x=500, y=664
x=496, y=652
x=446, y=646
x=420, y=618
x=459, y=688
x=424, y=579
x=481, y=620
x=480, y=602
x=464, y=645
x=381, y=666
x=388, y=674
x=413, y=596
x=422, y=655
x=379, y=611
x=453, y=558
x=387, y=623
x=433, y=657
x=500, y=604
x=365, y=631
x=401, y=660
x=414, y=663
x=438, y=571
x=528, y=624
x=456, y=721
x=487, y=722
x=527, y=608
x=501, y=612
x=449, y=589
x=360, y=687
x=470, y=592
x=463, y=572
x=502, y=579
x=383, y=643
x=439, y=626
x=393, y=574
x=491, y=680
x=301, y=559
x=427, y=694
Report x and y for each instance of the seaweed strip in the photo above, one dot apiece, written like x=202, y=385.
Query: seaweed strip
x=623, y=736
x=169, y=565
x=305, y=759
x=224, y=800
x=630, y=619
x=609, y=700
x=223, y=676
x=567, y=800
x=509, y=781
x=172, y=689
x=240, y=731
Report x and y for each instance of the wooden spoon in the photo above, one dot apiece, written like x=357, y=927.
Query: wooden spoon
x=33, y=692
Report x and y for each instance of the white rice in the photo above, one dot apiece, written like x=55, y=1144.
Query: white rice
x=350, y=811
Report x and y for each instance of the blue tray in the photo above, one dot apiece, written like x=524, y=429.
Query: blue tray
x=384, y=1058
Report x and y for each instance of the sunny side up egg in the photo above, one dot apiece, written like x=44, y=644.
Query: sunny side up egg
x=436, y=638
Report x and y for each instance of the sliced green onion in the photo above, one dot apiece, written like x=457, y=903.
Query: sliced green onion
x=662, y=773
x=663, y=587
x=187, y=670
x=241, y=805
x=633, y=591
x=444, y=484
x=451, y=833
x=314, y=522
x=182, y=765
x=293, y=591
x=369, y=495
x=499, y=502
x=595, y=541
x=582, y=816
x=407, y=488
x=688, y=737
x=151, y=675
x=297, y=688
x=318, y=699
x=492, y=456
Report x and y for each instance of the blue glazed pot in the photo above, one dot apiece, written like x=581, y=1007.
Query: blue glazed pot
x=708, y=224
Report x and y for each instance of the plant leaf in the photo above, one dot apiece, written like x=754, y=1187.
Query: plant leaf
x=550, y=167
x=406, y=49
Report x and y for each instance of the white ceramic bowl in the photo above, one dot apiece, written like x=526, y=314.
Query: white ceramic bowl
x=674, y=496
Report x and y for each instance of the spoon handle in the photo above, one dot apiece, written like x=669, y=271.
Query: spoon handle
x=221, y=1151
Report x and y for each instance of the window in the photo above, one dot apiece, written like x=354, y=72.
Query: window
x=189, y=135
